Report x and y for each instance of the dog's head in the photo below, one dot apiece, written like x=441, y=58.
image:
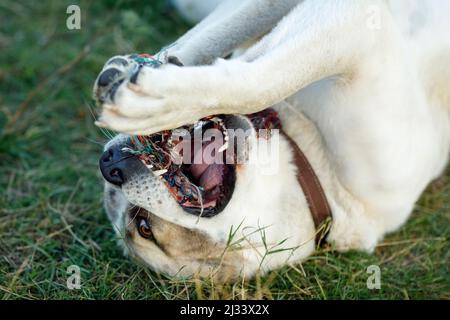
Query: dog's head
x=226, y=207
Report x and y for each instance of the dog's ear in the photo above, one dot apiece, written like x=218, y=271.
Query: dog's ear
x=174, y=60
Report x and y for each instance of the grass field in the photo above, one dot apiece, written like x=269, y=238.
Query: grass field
x=51, y=213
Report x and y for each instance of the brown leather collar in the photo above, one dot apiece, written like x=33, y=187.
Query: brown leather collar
x=317, y=200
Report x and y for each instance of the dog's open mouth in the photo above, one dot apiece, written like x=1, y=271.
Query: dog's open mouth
x=195, y=164
x=198, y=163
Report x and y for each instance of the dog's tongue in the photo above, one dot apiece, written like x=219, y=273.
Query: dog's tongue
x=198, y=169
x=212, y=177
x=204, y=170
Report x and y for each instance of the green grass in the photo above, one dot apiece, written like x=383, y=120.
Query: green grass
x=51, y=213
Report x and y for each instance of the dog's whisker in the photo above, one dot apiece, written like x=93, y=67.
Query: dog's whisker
x=95, y=142
x=105, y=131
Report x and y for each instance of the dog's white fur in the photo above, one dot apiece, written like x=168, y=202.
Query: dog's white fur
x=361, y=85
x=195, y=10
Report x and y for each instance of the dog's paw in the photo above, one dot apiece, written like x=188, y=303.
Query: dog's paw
x=119, y=69
x=116, y=71
x=140, y=98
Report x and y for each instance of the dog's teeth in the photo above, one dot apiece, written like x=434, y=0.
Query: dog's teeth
x=127, y=150
x=159, y=172
x=198, y=125
x=224, y=147
x=149, y=166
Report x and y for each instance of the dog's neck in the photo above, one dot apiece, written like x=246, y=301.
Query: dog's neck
x=346, y=209
x=313, y=191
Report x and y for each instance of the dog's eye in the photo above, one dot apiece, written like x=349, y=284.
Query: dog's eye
x=144, y=229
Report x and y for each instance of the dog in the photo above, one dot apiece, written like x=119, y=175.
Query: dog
x=360, y=88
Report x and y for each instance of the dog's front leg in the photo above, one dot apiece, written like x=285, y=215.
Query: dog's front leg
x=231, y=24
x=316, y=40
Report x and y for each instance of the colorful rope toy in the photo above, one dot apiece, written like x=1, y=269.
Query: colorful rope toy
x=146, y=60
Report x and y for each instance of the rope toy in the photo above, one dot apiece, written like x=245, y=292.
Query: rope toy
x=146, y=60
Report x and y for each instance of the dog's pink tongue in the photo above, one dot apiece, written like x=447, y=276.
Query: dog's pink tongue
x=211, y=177
x=198, y=169
x=203, y=160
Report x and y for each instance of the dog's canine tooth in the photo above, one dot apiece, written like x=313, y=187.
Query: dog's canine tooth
x=126, y=149
x=159, y=172
x=198, y=125
x=223, y=148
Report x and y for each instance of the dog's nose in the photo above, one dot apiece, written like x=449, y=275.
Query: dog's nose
x=118, y=165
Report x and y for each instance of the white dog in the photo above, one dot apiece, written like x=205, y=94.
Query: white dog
x=361, y=86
